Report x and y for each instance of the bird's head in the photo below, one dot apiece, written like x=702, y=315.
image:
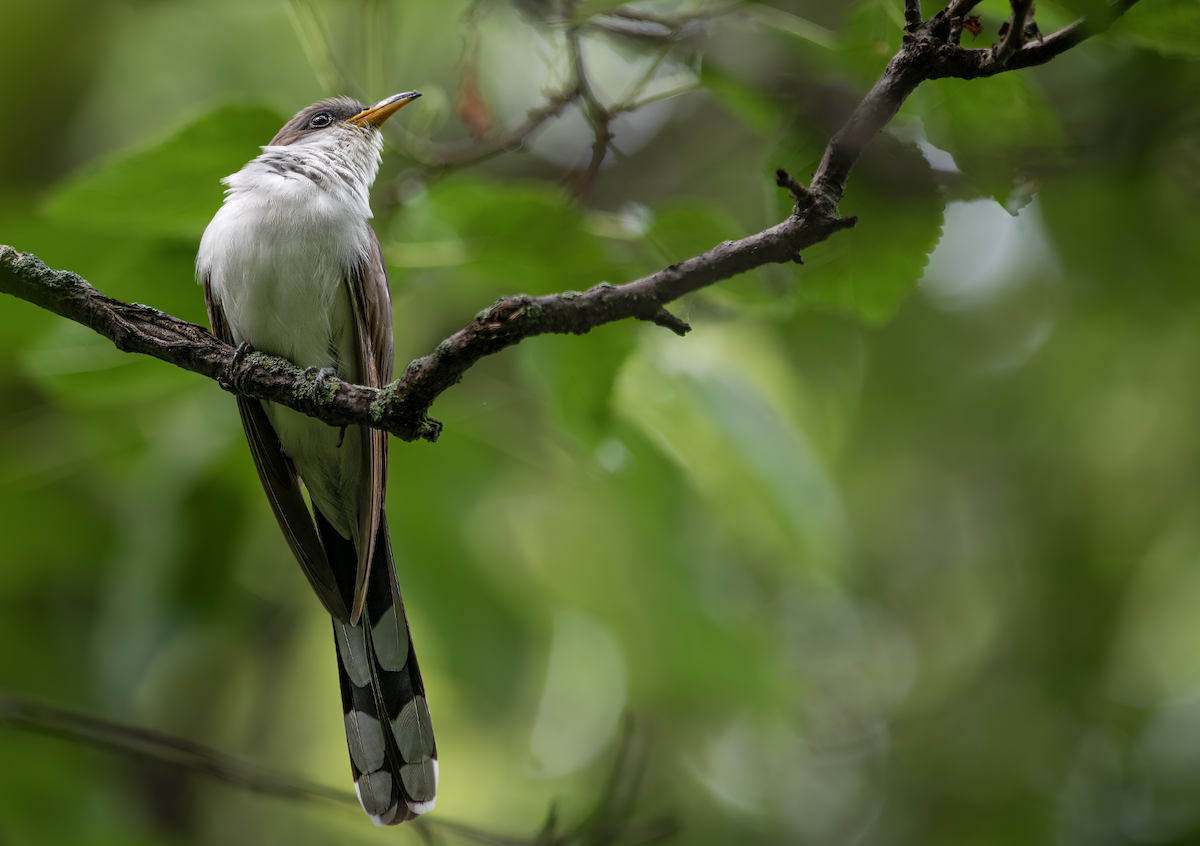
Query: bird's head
x=320, y=121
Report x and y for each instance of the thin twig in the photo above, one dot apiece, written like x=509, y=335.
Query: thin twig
x=1014, y=38
x=654, y=98
x=597, y=116
x=645, y=79
x=640, y=24
x=912, y=14
x=961, y=8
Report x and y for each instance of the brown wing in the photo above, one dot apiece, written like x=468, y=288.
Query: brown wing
x=279, y=480
x=372, y=301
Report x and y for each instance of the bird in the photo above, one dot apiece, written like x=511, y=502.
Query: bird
x=291, y=267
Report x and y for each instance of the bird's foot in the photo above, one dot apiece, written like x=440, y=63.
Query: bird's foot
x=319, y=375
x=237, y=379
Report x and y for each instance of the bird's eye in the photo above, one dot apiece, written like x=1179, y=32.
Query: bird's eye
x=320, y=120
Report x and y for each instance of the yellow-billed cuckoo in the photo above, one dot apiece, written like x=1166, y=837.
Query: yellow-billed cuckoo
x=291, y=266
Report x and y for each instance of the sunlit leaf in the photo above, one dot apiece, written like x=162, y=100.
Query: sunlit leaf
x=726, y=432
x=870, y=37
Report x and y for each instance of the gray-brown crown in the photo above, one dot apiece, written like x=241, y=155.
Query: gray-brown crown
x=319, y=117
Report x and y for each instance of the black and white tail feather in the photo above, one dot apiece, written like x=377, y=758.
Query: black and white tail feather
x=388, y=729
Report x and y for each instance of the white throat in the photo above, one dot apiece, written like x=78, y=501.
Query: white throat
x=342, y=162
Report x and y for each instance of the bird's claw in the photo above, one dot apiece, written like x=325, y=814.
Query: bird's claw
x=319, y=375
x=237, y=381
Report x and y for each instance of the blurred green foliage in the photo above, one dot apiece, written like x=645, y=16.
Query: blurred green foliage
x=897, y=546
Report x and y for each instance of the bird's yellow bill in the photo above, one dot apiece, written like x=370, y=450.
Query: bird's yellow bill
x=384, y=109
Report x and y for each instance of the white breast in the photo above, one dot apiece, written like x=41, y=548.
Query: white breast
x=277, y=255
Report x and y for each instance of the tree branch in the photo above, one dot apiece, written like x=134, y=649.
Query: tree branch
x=912, y=14
x=1014, y=37
x=960, y=8
x=400, y=408
x=928, y=52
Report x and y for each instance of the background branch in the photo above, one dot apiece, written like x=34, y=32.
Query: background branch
x=608, y=822
x=21, y=712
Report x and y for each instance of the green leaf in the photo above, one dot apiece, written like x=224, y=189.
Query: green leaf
x=503, y=239
x=869, y=270
x=758, y=112
x=1085, y=216
x=576, y=375
x=871, y=37
x=993, y=127
x=170, y=189
x=721, y=405
x=687, y=228
x=156, y=272
x=1169, y=28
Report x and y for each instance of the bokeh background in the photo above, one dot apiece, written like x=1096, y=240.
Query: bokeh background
x=901, y=546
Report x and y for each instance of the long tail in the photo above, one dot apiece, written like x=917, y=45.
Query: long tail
x=393, y=755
